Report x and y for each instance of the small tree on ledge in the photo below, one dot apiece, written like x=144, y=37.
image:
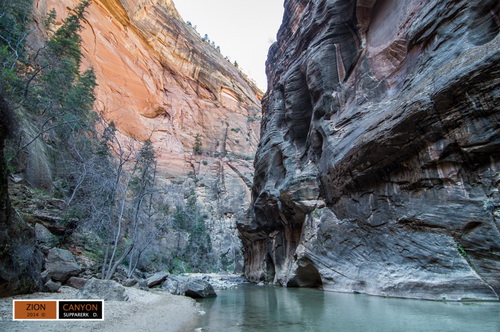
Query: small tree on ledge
x=197, y=145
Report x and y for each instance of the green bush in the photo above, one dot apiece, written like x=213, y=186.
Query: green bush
x=462, y=251
x=254, y=118
x=197, y=255
x=197, y=147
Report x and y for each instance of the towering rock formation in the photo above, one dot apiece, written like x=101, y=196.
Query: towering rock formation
x=378, y=169
x=159, y=80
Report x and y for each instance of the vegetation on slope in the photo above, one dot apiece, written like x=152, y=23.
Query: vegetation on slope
x=70, y=170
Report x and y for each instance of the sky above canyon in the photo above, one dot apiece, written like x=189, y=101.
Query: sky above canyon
x=243, y=29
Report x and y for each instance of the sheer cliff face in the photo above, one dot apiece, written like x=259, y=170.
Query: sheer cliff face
x=159, y=80
x=378, y=166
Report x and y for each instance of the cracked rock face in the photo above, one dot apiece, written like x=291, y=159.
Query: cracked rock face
x=378, y=169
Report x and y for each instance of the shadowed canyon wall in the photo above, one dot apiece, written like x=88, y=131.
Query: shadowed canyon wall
x=378, y=168
x=157, y=79
x=20, y=258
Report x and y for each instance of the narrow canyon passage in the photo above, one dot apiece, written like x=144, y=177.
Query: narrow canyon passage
x=135, y=153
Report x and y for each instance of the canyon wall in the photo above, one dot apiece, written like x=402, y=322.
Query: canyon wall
x=378, y=169
x=20, y=258
x=158, y=80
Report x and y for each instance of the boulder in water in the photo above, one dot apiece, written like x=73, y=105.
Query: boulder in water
x=175, y=285
x=199, y=289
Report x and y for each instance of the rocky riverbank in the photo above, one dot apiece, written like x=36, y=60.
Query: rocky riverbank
x=220, y=281
x=147, y=305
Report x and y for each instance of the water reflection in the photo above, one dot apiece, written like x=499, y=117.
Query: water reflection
x=253, y=308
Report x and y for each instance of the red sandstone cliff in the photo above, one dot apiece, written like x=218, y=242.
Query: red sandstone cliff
x=158, y=80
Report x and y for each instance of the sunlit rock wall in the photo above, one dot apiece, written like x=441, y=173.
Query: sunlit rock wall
x=159, y=80
x=378, y=169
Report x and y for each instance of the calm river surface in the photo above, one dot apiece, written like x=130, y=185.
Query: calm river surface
x=254, y=308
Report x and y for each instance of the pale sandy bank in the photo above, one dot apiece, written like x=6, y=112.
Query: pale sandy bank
x=144, y=311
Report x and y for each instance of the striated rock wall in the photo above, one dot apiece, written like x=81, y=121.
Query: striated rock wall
x=378, y=169
x=159, y=80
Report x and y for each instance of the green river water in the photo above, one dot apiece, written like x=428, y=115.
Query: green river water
x=254, y=308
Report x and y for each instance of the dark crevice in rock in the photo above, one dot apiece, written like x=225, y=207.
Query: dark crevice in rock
x=299, y=111
x=270, y=268
x=469, y=227
x=306, y=275
x=485, y=24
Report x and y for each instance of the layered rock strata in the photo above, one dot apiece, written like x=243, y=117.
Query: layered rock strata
x=378, y=169
x=158, y=80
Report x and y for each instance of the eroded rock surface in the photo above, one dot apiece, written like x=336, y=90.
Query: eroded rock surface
x=378, y=165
